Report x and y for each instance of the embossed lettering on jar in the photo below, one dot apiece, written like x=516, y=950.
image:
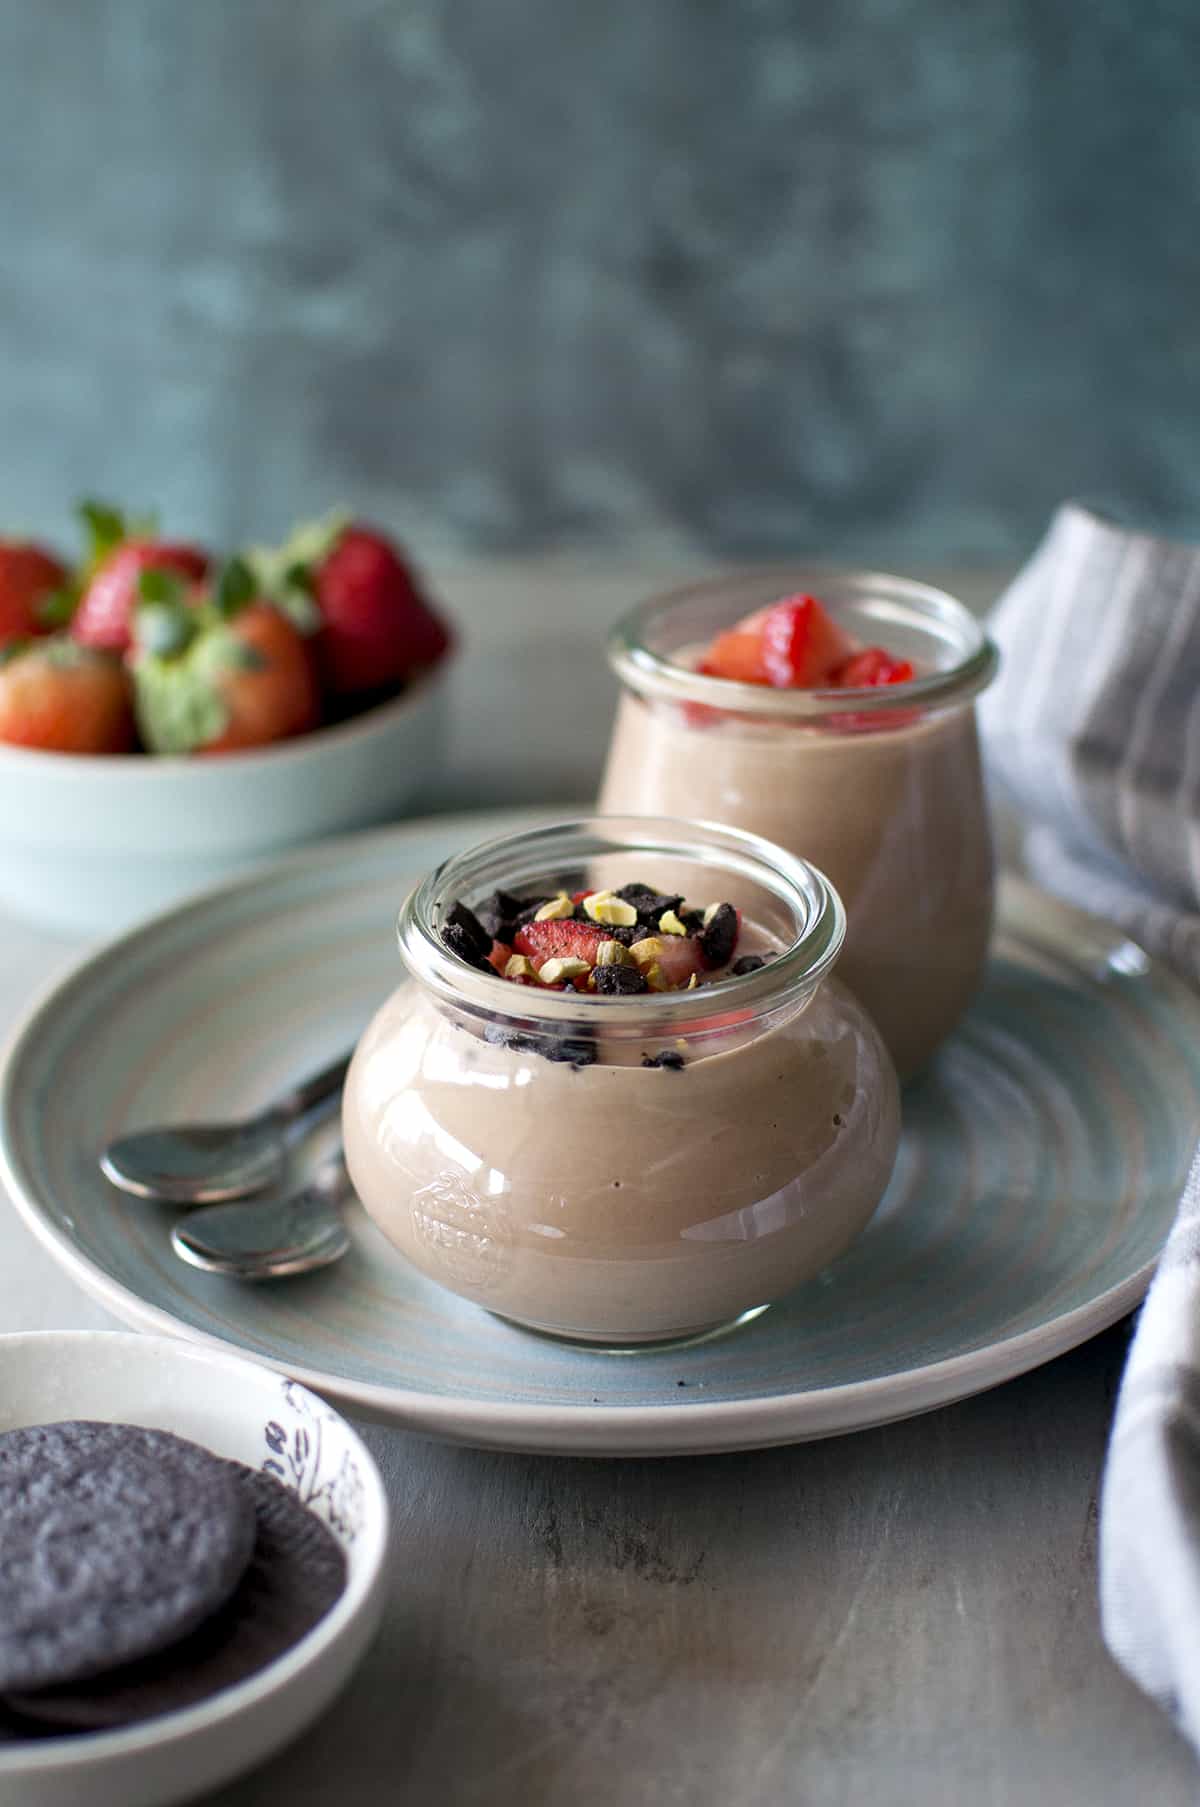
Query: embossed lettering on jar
x=514, y=1146
x=882, y=789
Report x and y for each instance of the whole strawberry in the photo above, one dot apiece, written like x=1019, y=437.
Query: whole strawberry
x=119, y=555
x=374, y=629
x=64, y=698
x=30, y=579
x=214, y=674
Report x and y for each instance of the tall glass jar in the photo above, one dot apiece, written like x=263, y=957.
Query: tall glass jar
x=881, y=788
x=533, y=1151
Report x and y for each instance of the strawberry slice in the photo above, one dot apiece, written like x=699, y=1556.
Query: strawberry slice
x=500, y=955
x=565, y=939
x=801, y=644
x=679, y=959
x=793, y=645
x=873, y=666
x=737, y=655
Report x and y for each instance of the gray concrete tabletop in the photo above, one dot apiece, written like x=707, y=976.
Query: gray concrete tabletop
x=904, y=1615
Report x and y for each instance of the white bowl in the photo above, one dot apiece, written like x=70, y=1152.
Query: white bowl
x=93, y=844
x=228, y=1405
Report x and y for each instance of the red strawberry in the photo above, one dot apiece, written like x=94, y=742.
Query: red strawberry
x=873, y=666
x=218, y=676
x=793, y=644
x=500, y=955
x=737, y=654
x=29, y=576
x=679, y=959
x=801, y=644
x=104, y=616
x=565, y=939
x=64, y=698
x=374, y=628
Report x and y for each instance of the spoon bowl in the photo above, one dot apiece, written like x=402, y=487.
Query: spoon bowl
x=210, y=1163
x=272, y=1238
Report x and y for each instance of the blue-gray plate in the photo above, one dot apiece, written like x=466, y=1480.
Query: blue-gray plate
x=1038, y=1175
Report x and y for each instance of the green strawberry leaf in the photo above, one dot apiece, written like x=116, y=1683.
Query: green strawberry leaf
x=105, y=526
x=236, y=588
x=178, y=707
x=163, y=627
x=57, y=607
x=284, y=574
x=294, y=598
x=165, y=587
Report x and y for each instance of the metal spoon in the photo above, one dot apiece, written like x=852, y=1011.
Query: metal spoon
x=206, y=1163
x=272, y=1237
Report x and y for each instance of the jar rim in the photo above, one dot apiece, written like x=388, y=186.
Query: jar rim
x=530, y=853
x=917, y=605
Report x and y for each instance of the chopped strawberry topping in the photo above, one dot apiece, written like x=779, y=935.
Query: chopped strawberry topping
x=562, y=940
x=792, y=645
x=577, y=897
x=500, y=955
x=736, y=655
x=873, y=666
x=679, y=959
x=801, y=644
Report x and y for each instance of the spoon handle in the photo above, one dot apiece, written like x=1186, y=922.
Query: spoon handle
x=312, y=1091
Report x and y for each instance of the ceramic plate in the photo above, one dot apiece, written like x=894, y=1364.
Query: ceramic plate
x=1036, y=1182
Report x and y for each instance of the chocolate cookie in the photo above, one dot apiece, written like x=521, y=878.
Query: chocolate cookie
x=297, y=1572
x=115, y=1541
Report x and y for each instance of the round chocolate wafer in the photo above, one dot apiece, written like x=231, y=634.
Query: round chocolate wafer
x=115, y=1541
x=297, y=1572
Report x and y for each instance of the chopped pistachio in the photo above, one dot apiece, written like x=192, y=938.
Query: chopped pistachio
x=519, y=966
x=612, y=953
x=669, y=924
x=693, y=982
x=646, y=951
x=606, y=906
x=556, y=910
x=655, y=978
x=552, y=971
x=710, y=913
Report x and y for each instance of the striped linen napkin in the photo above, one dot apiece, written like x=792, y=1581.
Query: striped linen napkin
x=1093, y=729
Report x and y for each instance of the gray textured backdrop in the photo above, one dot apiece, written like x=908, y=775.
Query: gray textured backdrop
x=739, y=276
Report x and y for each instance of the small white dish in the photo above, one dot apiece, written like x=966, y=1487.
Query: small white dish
x=252, y=1415
x=93, y=844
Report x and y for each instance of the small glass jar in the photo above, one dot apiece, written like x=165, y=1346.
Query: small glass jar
x=533, y=1151
x=881, y=788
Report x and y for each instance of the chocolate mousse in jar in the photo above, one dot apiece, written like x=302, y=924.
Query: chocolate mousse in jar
x=606, y=1104
x=851, y=740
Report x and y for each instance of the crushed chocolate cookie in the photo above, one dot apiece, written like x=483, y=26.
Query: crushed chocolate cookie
x=693, y=922
x=720, y=936
x=572, y=1050
x=470, y=931
x=670, y=1058
x=461, y=942
x=749, y=963
x=649, y=904
x=498, y=914
x=619, y=981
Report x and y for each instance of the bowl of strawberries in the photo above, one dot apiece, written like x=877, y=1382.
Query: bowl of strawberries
x=168, y=718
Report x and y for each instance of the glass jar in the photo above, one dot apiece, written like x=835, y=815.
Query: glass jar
x=881, y=788
x=531, y=1150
